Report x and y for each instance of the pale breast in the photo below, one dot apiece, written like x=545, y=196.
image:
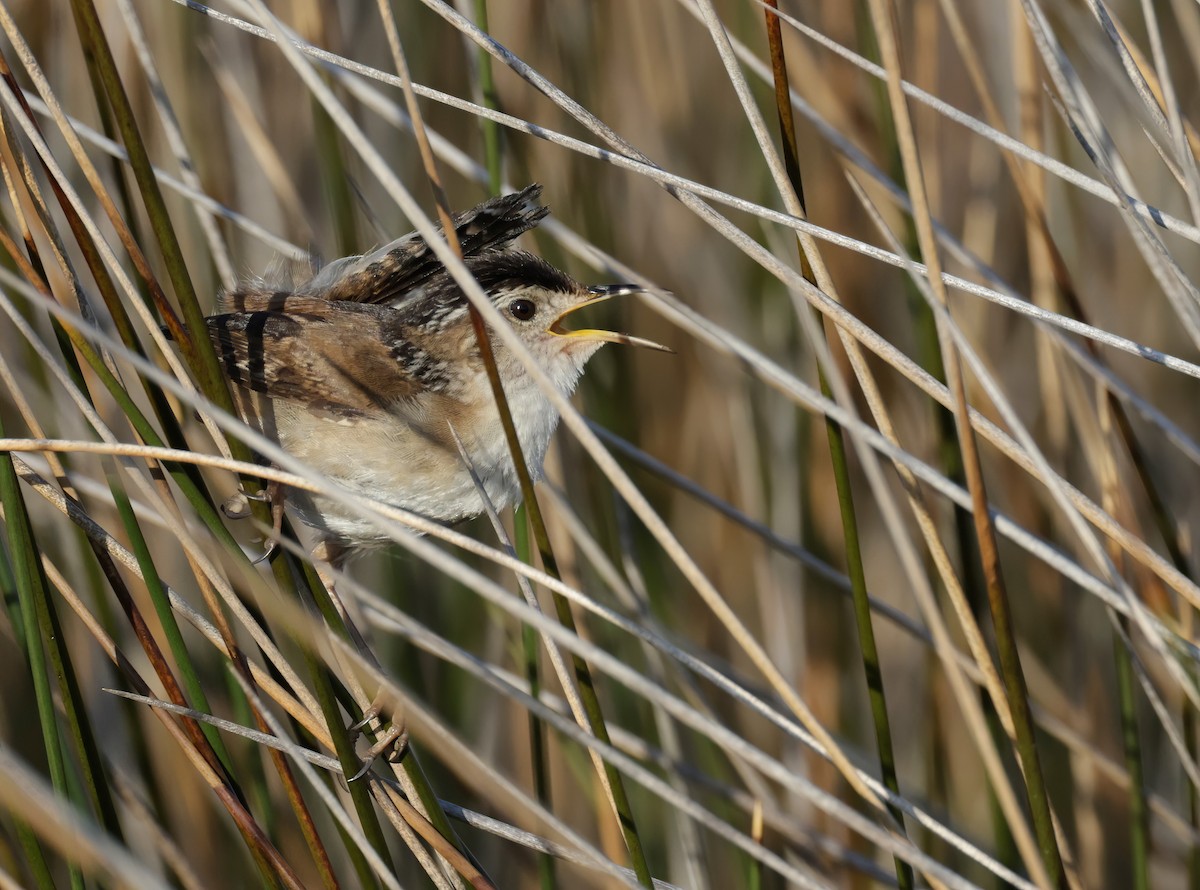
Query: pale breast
x=406, y=455
x=411, y=465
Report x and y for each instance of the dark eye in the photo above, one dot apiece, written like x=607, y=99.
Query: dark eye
x=522, y=310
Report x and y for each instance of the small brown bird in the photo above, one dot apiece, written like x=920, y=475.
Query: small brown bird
x=367, y=370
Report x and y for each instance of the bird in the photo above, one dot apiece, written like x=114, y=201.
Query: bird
x=369, y=371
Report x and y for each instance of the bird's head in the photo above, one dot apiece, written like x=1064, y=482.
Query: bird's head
x=535, y=298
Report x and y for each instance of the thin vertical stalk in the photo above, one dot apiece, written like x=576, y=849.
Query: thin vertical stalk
x=196, y=347
x=1193, y=798
x=883, y=17
x=336, y=183
x=583, y=676
x=929, y=354
x=522, y=544
x=537, y=727
x=35, y=858
x=487, y=89
x=1139, y=814
x=311, y=590
x=26, y=570
x=166, y=615
x=82, y=738
x=841, y=467
x=100, y=274
x=230, y=794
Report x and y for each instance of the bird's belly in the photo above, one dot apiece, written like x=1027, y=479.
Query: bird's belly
x=386, y=459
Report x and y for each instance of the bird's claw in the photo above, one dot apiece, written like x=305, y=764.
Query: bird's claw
x=370, y=715
x=272, y=546
x=393, y=741
x=237, y=506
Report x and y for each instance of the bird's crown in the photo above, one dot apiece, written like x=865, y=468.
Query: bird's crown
x=440, y=303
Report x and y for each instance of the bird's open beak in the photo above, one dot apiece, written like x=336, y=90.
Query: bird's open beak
x=598, y=294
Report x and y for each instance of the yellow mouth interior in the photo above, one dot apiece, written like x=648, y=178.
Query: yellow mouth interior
x=556, y=326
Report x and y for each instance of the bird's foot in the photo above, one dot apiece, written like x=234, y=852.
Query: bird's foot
x=392, y=742
x=237, y=506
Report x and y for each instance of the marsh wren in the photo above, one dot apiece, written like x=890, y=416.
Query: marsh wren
x=368, y=369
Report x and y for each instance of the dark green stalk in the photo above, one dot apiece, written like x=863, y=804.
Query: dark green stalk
x=487, y=89
x=562, y=607
x=312, y=836
x=1139, y=814
x=841, y=469
x=325, y=607
x=754, y=878
x=1002, y=834
x=310, y=590
x=115, y=166
x=883, y=15
x=936, y=749
x=25, y=554
x=521, y=541
x=261, y=799
x=537, y=728
x=1018, y=695
x=862, y=617
x=336, y=181
x=32, y=595
x=197, y=698
x=196, y=347
x=100, y=273
x=35, y=859
x=1193, y=798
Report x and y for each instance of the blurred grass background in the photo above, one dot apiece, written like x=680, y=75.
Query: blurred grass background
x=725, y=441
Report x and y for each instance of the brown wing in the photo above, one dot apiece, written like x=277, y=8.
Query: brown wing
x=394, y=270
x=340, y=358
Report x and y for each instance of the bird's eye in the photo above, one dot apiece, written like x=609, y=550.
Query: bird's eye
x=522, y=310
